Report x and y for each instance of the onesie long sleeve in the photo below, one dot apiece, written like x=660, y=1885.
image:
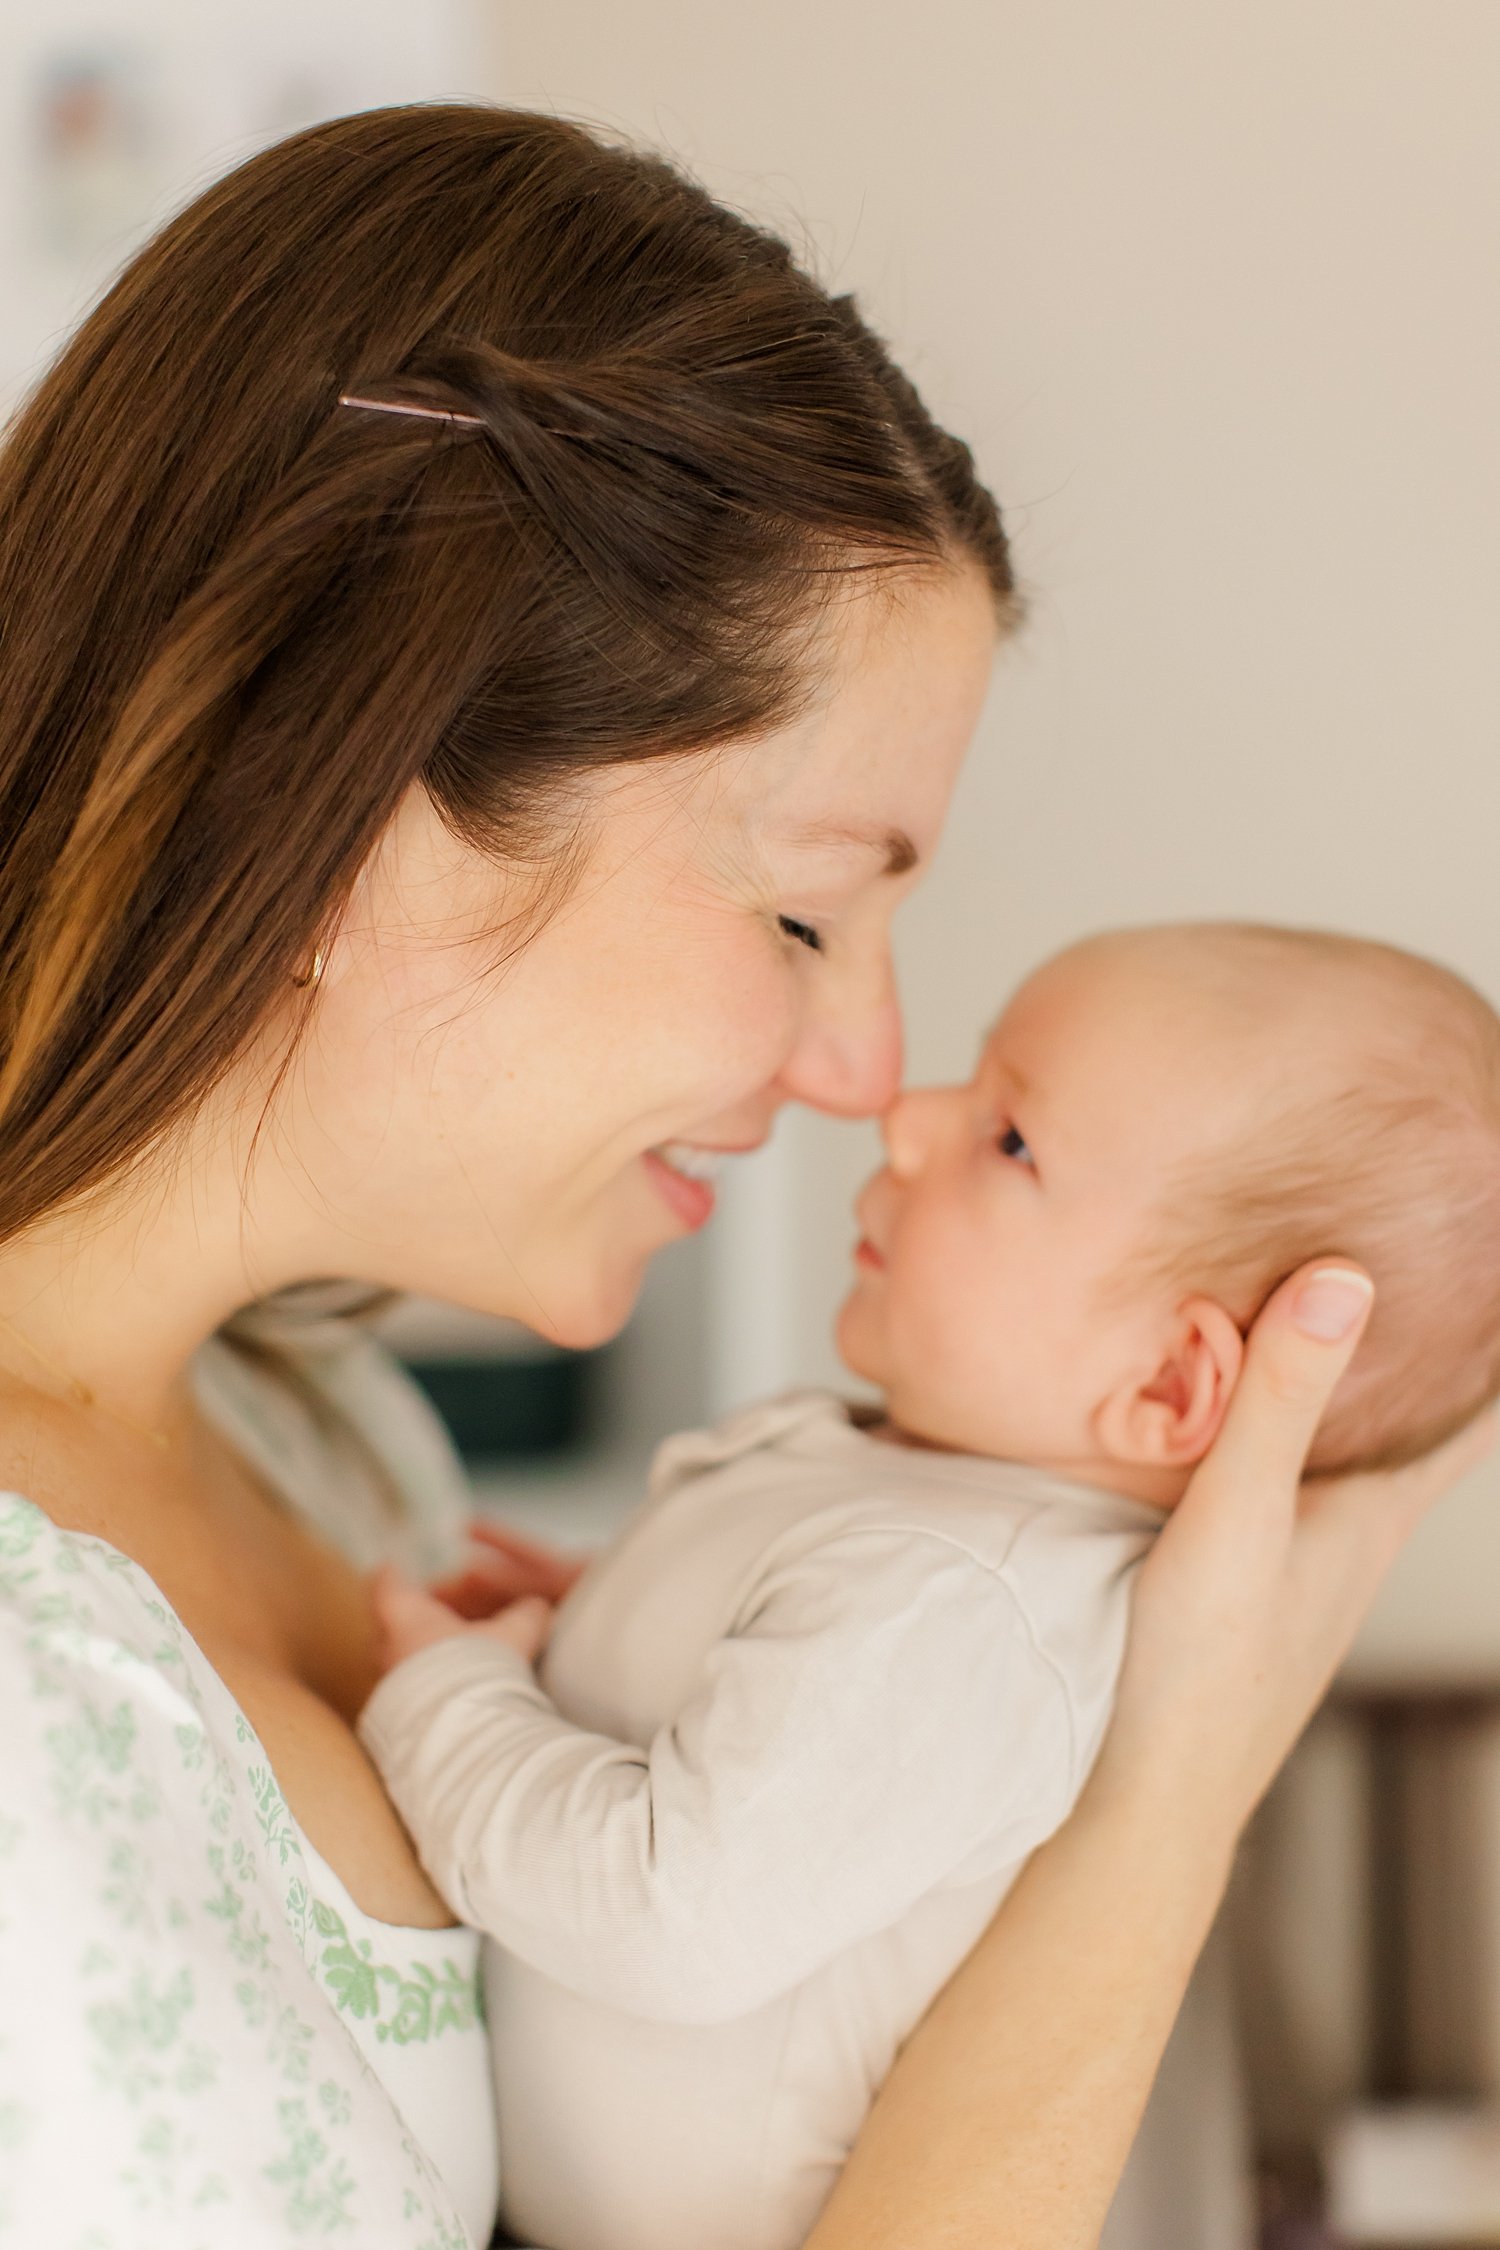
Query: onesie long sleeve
x=801, y=1799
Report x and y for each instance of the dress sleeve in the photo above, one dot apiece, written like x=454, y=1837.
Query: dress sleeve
x=880, y=1724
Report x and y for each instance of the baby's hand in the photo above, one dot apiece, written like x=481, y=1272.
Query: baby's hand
x=410, y=1619
x=499, y=1566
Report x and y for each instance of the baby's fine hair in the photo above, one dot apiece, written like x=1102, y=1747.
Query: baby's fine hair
x=1384, y=1147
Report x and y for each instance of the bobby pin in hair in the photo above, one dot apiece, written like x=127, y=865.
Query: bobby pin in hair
x=427, y=413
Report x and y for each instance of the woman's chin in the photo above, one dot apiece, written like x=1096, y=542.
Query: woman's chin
x=596, y=1309
x=576, y=1311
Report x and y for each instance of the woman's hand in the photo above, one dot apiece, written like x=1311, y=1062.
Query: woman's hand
x=1256, y=1588
x=500, y=1567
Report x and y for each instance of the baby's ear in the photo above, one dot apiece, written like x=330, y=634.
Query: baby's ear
x=1170, y=1420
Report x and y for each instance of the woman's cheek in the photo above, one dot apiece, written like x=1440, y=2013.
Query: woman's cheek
x=751, y=1026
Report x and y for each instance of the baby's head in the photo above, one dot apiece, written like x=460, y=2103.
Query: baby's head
x=1061, y=1258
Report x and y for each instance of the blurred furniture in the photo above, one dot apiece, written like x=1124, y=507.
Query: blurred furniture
x=506, y=1394
x=1369, y=1931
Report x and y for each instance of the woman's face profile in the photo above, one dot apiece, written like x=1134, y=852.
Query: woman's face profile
x=498, y=1126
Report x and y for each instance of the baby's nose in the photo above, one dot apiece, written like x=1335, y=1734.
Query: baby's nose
x=907, y=1129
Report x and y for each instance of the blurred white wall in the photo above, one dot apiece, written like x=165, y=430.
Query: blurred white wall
x=1213, y=292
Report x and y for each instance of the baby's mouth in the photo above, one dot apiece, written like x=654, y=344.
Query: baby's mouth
x=866, y=1251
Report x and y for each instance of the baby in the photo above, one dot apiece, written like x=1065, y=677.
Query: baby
x=798, y=1728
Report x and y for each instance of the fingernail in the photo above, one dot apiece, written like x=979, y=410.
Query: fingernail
x=1331, y=1303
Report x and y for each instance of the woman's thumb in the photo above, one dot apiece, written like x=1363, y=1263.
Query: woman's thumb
x=1296, y=1353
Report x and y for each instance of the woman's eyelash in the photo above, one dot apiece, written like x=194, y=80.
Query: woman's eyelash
x=1011, y=1143
x=803, y=932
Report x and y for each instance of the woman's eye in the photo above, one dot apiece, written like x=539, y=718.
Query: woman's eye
x=803, y=932
x=1011, y=1144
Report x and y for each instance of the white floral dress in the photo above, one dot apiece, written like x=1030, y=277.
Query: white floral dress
x=202, y=2043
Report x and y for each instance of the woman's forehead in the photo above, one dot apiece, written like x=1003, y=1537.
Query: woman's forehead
x=868, y=766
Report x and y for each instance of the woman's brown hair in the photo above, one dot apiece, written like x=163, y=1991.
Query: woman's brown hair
x=238, y=620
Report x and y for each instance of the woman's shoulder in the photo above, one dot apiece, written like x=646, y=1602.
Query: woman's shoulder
x=70, y=1603
x=156, y=1936
x=122, y=1742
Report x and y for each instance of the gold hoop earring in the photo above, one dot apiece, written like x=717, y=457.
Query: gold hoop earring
x=310, y=978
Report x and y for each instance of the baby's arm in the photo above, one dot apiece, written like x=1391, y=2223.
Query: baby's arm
x=879, y=1722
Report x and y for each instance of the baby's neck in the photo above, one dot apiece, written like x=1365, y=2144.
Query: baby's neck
x=1154, y=1488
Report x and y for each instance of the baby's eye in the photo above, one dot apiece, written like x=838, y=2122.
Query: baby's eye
x=803, y=932
x=1011, y=1144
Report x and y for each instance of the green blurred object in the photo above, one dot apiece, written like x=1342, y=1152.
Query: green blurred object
x=513, y=1407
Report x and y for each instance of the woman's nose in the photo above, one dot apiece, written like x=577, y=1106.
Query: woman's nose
x=849, y=1062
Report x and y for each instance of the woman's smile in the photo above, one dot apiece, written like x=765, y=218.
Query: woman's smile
x=685, y=1177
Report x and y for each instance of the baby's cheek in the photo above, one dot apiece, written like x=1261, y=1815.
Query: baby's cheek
x=943, y=1307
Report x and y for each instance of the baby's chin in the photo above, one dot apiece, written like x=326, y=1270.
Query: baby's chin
x=855, y=1341
x=859, y=1343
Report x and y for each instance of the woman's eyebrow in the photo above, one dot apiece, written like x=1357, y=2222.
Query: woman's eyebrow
x=894, y=845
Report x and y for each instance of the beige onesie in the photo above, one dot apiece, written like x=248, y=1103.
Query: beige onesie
x=795, y=1734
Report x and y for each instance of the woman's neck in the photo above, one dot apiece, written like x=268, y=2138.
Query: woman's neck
x=102, y=1306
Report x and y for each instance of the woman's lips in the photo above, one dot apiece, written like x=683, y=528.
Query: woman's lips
x=692, y=1199
x=866, y=1255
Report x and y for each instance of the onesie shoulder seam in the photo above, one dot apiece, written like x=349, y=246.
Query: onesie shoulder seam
x=999, y=1575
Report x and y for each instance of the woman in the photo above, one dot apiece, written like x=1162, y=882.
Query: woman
x=487, y=647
